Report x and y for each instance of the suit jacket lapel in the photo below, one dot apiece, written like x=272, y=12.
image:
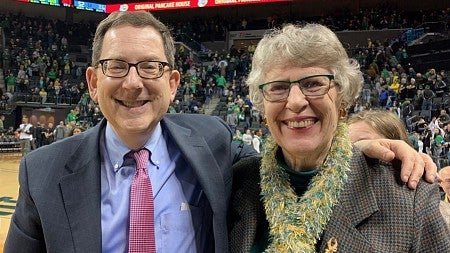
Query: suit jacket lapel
x=356, y=204
x=196, y=152
x=80, y=190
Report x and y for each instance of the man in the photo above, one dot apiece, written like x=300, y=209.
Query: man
x=257, y=140
x=25, y=135
x=76, y=195
x=60, y=131
x=444, y=118
x=2, y=124
x=232, y=120
x=48, y=134
x=444, y=183
x=83, y=195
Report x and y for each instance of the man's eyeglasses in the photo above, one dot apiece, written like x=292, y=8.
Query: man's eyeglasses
x=311, y=86
x=145, y=69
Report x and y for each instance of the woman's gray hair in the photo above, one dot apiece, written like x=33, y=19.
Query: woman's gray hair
x=312, y=45
x=136, y=19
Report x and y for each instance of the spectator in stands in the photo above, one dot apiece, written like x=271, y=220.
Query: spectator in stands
x=358, y=107
x=76, y=130
x=232, y=120
x=97, y=116
x=428, y=95
x=420, y=81
x=440, y=86
x=72, y=116
x=383, y=97
x=407, y=110
x=411, y=89
x=43, y=96
x=247, y=111
x=446, y=129
x=367, y=90
x=10, y=82
x=257, y=140
x=38, y=135
x=48, y=133
x=437, y=143
x=415, y=141
x=221, y=84
x=208, y=94
x=444, y=118
x=60, y=131
x=193, y=104
x=2, y=123
x=402, y=91
x=237, y=137
x=25, y=135
x=247, y=137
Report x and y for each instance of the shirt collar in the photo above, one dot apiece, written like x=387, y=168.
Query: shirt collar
x=117, y=150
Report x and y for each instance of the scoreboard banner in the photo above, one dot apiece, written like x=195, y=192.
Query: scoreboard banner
x=181, y=4
x=148, y=6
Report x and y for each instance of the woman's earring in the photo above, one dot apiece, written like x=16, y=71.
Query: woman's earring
x=265, y=121
x=342, y=113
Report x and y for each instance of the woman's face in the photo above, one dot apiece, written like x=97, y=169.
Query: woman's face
x=361, y=130
x=302, y=126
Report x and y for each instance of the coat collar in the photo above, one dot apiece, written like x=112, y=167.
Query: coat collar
x=197, y=154
x=80, y=189
x=356, y=203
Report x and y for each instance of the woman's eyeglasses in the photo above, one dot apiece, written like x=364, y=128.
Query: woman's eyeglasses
x=311, y=86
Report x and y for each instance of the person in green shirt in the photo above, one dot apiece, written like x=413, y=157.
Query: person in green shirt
x=72, y=116
x=237, y=137
x=438, y=142
x=52, y=74
x=10, y=82
x=221, y=83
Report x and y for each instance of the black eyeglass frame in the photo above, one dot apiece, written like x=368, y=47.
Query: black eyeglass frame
x=329, y=76
x=135, y=65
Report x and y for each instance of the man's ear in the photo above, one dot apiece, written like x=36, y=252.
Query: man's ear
x=174, y=82
x=91, y=78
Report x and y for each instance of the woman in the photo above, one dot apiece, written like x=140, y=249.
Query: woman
x=312, y=191
x=371, y=125
x=375, y=124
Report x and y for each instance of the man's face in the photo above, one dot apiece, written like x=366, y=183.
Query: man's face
x=132, y=105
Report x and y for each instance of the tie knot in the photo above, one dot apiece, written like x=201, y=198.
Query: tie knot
x=141, y=158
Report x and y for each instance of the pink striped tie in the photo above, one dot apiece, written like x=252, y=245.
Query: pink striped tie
x=142, y=227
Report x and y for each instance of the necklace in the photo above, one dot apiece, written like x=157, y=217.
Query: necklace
x=295, y=223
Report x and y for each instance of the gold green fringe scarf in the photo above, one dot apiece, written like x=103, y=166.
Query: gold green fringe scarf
x=296, y=223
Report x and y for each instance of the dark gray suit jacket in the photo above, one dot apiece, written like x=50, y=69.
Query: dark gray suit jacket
x=58, y=208
x=375, y=213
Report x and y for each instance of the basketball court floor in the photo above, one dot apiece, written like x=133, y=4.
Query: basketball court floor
x=9, y=189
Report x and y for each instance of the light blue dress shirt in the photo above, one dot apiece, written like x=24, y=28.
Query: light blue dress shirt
x=174, y=229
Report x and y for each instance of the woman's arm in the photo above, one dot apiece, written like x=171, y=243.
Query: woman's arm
x=414, y=164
